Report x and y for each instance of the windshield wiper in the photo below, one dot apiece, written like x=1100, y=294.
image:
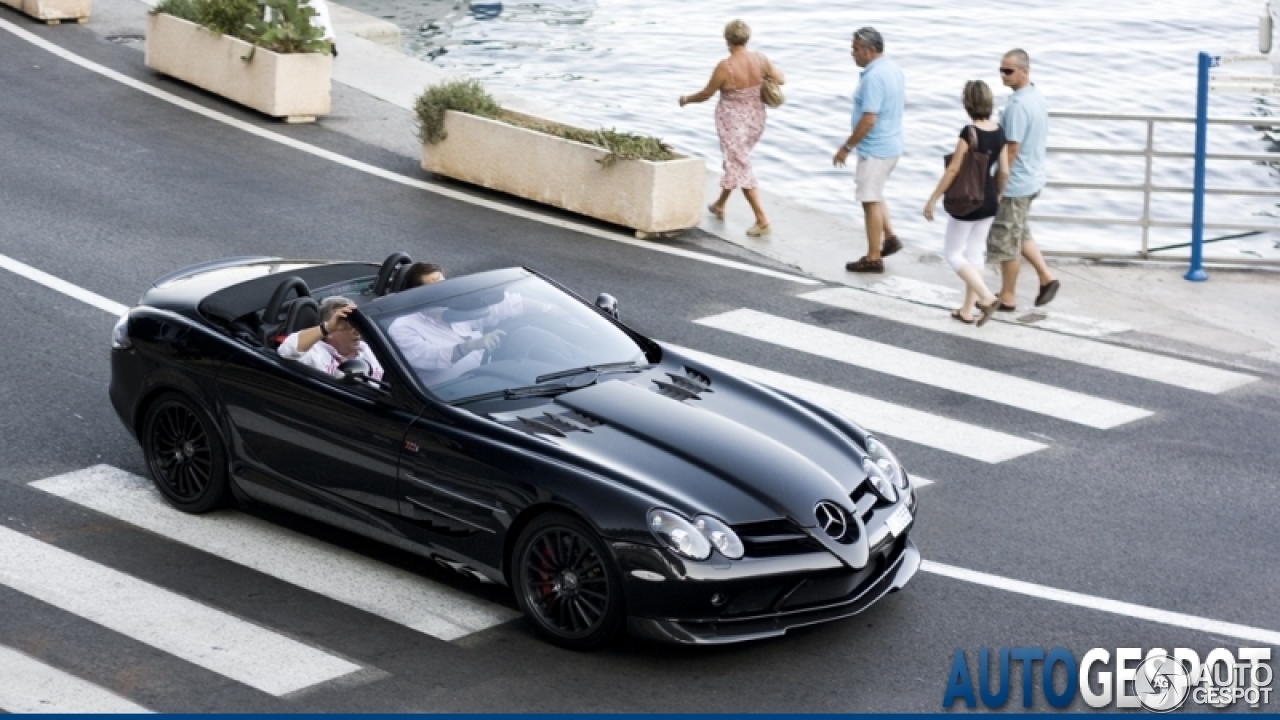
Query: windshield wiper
x=628, y=366
x=513, y=393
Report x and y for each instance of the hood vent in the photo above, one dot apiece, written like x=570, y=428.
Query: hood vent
x=557, y=424
x=689, y=386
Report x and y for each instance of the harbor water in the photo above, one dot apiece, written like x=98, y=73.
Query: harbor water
x=624, y=63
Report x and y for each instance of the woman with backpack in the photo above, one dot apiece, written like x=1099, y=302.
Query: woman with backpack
x=972, y=195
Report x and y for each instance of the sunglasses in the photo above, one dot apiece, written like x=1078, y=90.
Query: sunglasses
x=1006, y=71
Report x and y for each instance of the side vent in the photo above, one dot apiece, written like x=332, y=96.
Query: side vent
x=689, y=386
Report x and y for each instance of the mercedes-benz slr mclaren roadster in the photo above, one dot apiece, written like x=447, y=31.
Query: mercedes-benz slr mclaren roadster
x=522, y=435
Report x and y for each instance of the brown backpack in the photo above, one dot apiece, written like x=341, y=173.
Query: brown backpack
x=968, y=190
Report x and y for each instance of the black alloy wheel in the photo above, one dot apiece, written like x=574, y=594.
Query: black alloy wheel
x=185, y=455
x=567, y=584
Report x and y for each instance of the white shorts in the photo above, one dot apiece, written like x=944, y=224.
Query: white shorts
x=869, y=178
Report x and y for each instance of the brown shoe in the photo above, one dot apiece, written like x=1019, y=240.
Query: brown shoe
x=863, y=265
x=1048, y=292
x=891, y=246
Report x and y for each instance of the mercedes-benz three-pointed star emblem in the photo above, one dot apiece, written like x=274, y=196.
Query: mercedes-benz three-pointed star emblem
x=831, y=518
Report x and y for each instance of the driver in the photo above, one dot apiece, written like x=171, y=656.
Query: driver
x=331, y=343
x=444, y=343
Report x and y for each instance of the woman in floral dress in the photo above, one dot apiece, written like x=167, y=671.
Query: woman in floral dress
x=740, y=118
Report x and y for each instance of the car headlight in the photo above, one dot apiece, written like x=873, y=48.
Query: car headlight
x=884, y=487
x=721, y=536
x=887, y=462
x=679, y=535
x=695, y=540
x=120, y=334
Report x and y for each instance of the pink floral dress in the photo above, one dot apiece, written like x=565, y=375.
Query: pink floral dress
x=740, y=117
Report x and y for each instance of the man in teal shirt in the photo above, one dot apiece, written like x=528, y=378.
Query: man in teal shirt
x=1026, y=126
x=877, y=137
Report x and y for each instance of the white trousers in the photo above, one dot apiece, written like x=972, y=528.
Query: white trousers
x=966, y=242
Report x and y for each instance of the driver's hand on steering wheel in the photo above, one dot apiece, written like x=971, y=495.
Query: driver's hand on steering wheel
x=487, y=342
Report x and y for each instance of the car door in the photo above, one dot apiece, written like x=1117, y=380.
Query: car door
x=315, y=444
x=460, y=485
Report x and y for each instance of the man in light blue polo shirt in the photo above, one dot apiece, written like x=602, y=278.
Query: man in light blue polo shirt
x=877, y=138
x=1026, y=126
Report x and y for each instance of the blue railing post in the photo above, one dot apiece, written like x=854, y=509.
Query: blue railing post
x=1196, y=272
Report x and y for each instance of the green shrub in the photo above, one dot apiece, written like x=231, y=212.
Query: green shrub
x=470, y=97
x=467, y=96
x=288, y=31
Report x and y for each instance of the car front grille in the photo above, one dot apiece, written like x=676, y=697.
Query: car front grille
x=772, y=538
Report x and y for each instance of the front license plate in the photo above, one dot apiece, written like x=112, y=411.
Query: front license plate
x=899, y=520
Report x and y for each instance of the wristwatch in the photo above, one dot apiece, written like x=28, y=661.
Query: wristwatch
x=846, y=148
x=324, y=331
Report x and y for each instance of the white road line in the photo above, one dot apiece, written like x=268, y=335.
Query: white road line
x=879, y=416
x=927, y=369
x=399, y=596
x=387, y=174
x=920, y=482
x=1148, y=366
x=29, y=686
x=164, y=620
x=1115, y=607
x=61, y=286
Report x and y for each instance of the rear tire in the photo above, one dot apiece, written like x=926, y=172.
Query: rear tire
x=185, y=455
x=567, y=583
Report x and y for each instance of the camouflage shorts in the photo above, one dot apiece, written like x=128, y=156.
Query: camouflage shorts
x=1009, y=229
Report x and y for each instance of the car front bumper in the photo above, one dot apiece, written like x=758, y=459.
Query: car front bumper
x=786, y=608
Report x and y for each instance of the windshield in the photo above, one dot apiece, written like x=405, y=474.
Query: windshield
x=508, y=336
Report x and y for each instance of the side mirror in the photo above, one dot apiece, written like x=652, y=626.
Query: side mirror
x=609, y=304
x=354, y=369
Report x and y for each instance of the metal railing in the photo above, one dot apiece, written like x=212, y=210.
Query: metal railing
x=1149, y=153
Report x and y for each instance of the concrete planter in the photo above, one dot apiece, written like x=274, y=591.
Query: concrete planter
x=53, y=11
x=651, y=197
x=294, y=87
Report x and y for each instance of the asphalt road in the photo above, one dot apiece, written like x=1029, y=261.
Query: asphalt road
x=107, y=189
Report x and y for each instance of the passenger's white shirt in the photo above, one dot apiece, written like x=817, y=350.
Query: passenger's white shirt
x=324, y=357
x=428, y=343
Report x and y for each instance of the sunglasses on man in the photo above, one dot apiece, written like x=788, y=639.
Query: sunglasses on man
x=1006, y=71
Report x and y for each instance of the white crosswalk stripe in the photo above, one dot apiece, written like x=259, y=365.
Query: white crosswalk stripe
x=399, y=596
x=927, y=369
x=30, y=686
x=197, y=633
x=904, y=423
x=1145, y=365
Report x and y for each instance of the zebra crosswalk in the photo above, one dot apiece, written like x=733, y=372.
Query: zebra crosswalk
x=30, y=686
x=274, y=662
x=165, y=620
x=382, y=590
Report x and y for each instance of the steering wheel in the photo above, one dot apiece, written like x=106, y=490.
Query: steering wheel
x=383, y=282
x=272, y=314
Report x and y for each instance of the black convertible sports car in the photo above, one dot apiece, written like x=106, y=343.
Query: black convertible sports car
x=609, y=480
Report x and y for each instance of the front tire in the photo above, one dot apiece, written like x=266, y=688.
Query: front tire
x=567, y=584
x=185, y=455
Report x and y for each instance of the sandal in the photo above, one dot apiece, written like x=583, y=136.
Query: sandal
x=955, y=314
x=758, y=231
x=987, y=311
x=718, y=212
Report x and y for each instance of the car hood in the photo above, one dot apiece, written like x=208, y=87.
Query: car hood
x=704, y=441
